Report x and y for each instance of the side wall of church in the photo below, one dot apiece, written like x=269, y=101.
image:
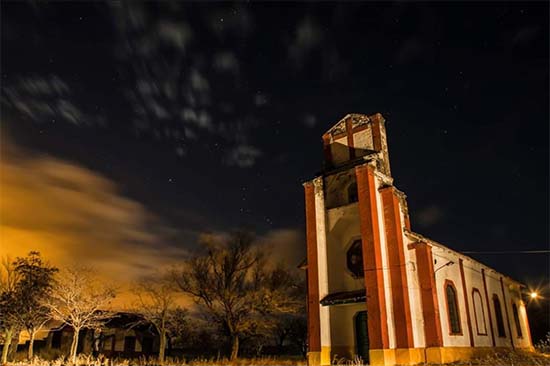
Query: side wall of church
x=450, y=275
x=476, y=289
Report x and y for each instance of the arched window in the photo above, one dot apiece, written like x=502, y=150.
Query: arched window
x=516, y=320
x=352, y=193
x=498, y=315
x=354, y=258
x=452, y=308
x=479, y=313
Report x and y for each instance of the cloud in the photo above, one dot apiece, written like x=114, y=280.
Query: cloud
x=74, y=215
x=226, y=61
x=525, y=35
x=198, y=81
x=260, y=99
x=44, y=99
x=430, y=215
x=310, y=120
x=177, y=35
x=243, y=156
x=307, y=36
x=284, y=245
x=234, y=20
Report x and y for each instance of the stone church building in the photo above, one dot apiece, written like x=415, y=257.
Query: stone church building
x=380, y=291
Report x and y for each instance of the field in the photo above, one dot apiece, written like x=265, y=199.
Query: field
x=497, y=359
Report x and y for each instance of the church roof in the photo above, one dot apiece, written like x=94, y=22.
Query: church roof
x=345, y=297
x=434, y=243
x=356, y=120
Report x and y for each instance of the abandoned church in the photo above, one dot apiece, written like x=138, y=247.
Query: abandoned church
x=380, y=291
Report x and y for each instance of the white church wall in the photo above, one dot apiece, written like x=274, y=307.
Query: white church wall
x=493, y=288
x=343, y=227
x=525, y=341
x=513, y=296
x=450, y=273
x=322, y=260
x=343, y=329
x=477, y=304
x=363, y=139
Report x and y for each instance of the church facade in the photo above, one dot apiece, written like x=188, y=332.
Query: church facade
x=379, y=291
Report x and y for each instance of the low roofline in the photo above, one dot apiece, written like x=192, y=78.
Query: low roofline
x=418, y=237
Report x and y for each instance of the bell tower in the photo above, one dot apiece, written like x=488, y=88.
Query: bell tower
x=354, y=227
x=353, y=139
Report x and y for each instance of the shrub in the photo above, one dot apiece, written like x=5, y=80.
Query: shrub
x=543, y=346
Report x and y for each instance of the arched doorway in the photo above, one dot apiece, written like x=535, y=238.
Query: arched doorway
x=362, y=336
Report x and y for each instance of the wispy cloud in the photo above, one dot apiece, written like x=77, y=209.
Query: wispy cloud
x=226, y=61
x=430, y=216
x=74, y=215
x=307, y=36
x=172, y=89
x=231, y=20
x=310, y=120
x=45, y=99
x=243, y=156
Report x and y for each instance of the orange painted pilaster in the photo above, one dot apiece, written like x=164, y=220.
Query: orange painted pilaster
x=376, y=133
x=465, y=291
x=397, y=264
x=372, y=258
x=313, y=320
x=349, y=132
x=428, y=294
x=326, y=149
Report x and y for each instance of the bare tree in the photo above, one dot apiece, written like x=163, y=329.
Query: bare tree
x=79, y=300
x=157, y=305
x=8, y=304
x=233, y=284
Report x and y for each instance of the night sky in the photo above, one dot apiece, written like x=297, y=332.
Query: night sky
x=131, y=130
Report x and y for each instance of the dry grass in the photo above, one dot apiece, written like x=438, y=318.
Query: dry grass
x=508, y=359
x=496, y=359
x=84, y=360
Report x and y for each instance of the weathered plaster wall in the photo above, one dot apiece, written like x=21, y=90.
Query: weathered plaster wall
x=343, y=228
x=474, y=280
x=343, y=330
x=442, y=275
x=320, y=214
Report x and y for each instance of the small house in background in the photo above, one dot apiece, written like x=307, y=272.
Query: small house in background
x=126, y=335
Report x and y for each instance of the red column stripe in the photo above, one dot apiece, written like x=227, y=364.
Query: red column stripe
x=372, y=258
x=396, y=258
x=428, y=294
x=313, y=322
